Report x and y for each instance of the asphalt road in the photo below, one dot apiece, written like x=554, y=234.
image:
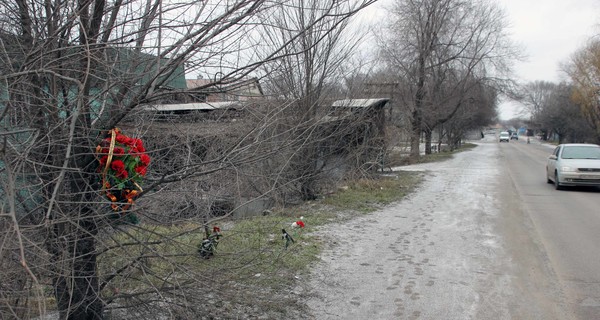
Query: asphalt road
x=485, y=237
x=567, y=223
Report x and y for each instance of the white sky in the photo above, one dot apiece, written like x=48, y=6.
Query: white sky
x=548, y=31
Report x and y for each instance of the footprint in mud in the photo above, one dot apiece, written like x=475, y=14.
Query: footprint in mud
x=365, y=264
x=430, y=283
x=399, y=272
x=422, y=251
x=425, y=260
x=390, y=288
x=379, y=271
x=419, y=271
x=415, y=315
x=355, y=301
x=408, y=289
x=415, y=296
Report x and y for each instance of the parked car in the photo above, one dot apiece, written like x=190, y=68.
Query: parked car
x=514, y=136
x=504, y=136
x=574, y=164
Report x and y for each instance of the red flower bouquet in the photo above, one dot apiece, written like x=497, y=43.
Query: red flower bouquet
x=123, y=163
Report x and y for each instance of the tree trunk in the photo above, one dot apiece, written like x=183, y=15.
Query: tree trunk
x=428, y=139
x=415, y=136
x=85, y=296
x=76, y=288
x=76, y=283
x=417, y=121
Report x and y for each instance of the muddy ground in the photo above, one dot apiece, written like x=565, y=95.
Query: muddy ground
x=458, y=248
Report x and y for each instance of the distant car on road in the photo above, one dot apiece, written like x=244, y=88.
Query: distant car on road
x=514, y=136
x=504, y=136
x=574, y=164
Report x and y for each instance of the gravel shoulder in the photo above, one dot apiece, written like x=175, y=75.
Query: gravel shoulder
x=458, y=248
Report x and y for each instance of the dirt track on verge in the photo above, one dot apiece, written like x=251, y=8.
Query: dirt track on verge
x=458, y=248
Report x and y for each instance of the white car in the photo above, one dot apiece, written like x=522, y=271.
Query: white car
x=504, y=136
x=574, y=164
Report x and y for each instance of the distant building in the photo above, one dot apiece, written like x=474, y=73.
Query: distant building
x=205, y=90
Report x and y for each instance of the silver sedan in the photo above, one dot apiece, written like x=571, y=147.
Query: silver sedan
x=574, y=164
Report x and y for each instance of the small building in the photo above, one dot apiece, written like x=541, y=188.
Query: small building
x=371, y=108
x=205, y=90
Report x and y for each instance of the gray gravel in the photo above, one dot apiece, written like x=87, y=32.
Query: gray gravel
x=446, y=252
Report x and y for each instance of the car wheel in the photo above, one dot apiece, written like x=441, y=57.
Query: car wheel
x=557, y=185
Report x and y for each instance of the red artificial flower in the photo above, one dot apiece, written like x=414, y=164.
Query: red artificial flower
x=144, y=159
x=141, y=170
x=138, y=144
x=122, y=174
x=122, y=139
x=103, y=160
x=117, y=165
x=118, y=151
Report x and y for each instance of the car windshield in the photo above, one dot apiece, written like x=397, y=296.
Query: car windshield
x=581, y=152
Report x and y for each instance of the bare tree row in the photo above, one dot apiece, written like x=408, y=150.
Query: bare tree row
x=451, y=59
x=71, y=70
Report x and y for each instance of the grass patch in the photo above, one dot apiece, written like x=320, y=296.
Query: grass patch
x=367, y=195
x=400, y=159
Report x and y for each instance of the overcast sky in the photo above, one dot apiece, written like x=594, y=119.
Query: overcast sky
x=548, y=31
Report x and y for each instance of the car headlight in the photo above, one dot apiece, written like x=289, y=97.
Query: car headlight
x=567, y=169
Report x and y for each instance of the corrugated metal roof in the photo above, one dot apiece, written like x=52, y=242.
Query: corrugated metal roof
x=206, y=106
x=360, y=103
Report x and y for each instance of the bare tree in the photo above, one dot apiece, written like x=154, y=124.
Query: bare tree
x=70, y=72
x=478, y=110
x=445, y=41
x=311, y=62
x=535, y=95
x=584, y=71
x=556, y=113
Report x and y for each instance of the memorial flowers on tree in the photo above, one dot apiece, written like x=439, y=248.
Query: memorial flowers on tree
x=123, y=163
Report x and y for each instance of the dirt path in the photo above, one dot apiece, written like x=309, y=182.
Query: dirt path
x=443, y=253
